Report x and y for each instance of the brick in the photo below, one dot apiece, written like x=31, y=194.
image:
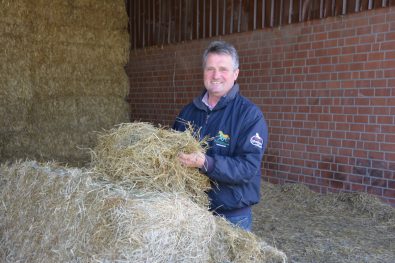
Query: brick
x=358, y=187
x=389, y=193
x=356, y=179
x=363, y=162
x=374, y=190
x=336, y=184
x=379, y=183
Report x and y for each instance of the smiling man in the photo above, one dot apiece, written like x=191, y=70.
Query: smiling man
x=239, y=137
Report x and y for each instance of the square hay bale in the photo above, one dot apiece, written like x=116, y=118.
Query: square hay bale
x=62, y=64
x=62, y=214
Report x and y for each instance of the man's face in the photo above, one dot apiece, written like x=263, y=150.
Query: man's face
x=219, y=75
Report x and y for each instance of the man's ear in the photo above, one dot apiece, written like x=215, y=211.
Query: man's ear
x=235, y=74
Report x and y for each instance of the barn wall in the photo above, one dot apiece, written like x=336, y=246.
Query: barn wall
x=326, y=88
x=62, y=76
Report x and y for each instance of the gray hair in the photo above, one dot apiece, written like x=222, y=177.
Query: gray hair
x=222, y=47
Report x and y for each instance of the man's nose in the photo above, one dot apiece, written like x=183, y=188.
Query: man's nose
x=216, y=74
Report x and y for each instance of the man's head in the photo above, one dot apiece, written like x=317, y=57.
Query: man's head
x=221, y=68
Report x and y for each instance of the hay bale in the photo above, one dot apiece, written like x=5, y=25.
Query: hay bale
x=145, y=157
x=62, y=214
x=62, y=64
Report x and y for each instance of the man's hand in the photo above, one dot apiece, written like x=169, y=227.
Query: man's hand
x=195, y=159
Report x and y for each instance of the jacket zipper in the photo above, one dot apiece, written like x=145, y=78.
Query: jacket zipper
x=204, y=128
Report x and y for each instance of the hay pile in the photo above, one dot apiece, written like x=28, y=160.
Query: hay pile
x=62, y=67
x=63, y=214
x=336, y=227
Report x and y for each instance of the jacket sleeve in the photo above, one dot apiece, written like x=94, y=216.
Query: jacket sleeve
x=245, y=160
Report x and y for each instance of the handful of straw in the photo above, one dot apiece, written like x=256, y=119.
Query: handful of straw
x=139, y=155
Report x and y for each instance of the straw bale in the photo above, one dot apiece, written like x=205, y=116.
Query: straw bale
x=77, y=113
x=103, y=86
x=60, y=60
x=60, y=214
x=84, y=13
x=12, y=29
x=66, y=127
x=15, y=84
x=73, y=67
x=14, y=12
x=233, y=244
x=70, y=33
x=143, y=156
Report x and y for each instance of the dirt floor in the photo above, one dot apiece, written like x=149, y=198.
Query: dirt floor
x=309, y=227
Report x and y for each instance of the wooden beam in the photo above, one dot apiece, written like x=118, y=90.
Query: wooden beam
x=255, y=7
x=224, y=18
x=272, y=13
x=197, y=19
x=160, y=24
x=321, y=9
x=300, y=10
x=231, y=16
x=149, y=24
x=169, y=22
x=179, y=20
x=204, y=18
x=357, y=6
x=134, y=24
x=344, y=9
x=281, y=13
x=239, y=16
x=210, y=32
x=263, y=13
x=217, y=20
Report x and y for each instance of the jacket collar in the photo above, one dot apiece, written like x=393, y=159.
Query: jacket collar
x=221, y=103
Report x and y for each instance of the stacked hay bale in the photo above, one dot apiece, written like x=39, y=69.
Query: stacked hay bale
x=15, y=83
x=67, y=77
x=102, y=214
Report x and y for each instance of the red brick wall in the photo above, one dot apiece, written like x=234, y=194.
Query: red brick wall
x=326, y=88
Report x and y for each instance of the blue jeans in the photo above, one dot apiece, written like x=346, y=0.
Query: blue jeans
x=242, y=221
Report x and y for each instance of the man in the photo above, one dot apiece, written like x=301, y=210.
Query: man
x=239, y=132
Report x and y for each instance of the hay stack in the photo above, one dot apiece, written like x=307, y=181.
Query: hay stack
x=62, y=67
x=58, y=214
x=145, y=157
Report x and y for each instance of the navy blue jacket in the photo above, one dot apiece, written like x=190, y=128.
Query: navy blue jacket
x=239, y=137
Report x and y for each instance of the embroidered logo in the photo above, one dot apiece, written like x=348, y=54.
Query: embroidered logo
x=222, y=139
x=256, y=140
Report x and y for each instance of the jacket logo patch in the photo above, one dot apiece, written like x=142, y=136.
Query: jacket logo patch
x=256, y=140
x=222, y=139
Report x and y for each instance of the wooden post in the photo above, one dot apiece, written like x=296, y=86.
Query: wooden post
x=231, y=16
x=263, y=13
x=224, y=18
x=272, y=14
x=239, y=16
x=255, y=7
x=344, y=9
